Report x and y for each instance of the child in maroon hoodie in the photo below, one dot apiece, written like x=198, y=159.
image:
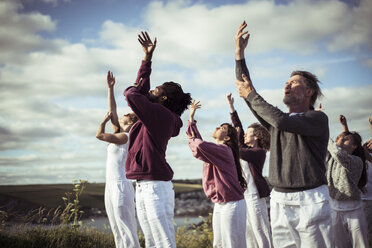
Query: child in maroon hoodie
x=223, y=181
x=158, y=113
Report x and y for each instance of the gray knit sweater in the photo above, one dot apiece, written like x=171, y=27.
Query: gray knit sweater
x=298, y=144
x=343, y=173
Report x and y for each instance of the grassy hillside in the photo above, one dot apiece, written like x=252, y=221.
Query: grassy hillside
x=50, y=195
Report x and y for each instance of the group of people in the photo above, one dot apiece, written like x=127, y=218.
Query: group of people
x=318, y=184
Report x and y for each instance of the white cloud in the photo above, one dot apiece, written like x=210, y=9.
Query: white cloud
x=19, y=33
x=51, y=89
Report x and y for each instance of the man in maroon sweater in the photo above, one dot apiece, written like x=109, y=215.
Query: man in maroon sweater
x=158, y=113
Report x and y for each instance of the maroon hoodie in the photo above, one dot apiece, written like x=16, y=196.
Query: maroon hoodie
x=148, y=138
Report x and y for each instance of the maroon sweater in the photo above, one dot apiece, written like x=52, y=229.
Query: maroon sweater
x=255, y=158
x=149, y=137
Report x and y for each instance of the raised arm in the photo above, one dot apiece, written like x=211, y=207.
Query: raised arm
x=116, y=138
x=112, y=102
x=230, y=102
x=194, y=106
x=235, y=119
x=143, y=76
x=191, y=130
x=343, y=122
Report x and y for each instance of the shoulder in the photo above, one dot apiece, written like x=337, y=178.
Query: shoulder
x=317, y=114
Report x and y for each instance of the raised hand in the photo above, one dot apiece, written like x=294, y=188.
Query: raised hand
x=244, y=87
x=230, y=101
x=147, y=45
x=107, y=117
x=194, y=106
x=241, y=41
x=342, y=120
x=110, y=79
x=320, y=108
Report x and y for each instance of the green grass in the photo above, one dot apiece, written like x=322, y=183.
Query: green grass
x=50, y=195
x=62, y=236
x=77, y=236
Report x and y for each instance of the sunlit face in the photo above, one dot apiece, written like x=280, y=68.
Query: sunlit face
x=295, y=91
x=125, y=120
x=249, y=138
x=220, y=133
x=156, y=94
x=346, y=143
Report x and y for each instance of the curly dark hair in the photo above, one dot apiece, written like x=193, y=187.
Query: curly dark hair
x=233, y=143
x=177, y=101
x=262, y=135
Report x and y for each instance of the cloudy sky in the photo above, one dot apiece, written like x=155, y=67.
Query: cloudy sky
x=54, y=56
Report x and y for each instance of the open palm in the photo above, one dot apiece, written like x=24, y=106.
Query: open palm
x=147, y=45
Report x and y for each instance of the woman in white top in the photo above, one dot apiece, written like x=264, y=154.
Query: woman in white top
x=119, y=192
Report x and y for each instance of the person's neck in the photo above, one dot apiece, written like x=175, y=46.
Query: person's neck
x=126, y=128
x=220, y=142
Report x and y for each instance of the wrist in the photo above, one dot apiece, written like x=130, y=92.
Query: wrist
x=148, y=56
x=239, y=54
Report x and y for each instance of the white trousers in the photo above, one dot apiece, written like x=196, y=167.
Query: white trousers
x=229, y=224
x=120, y=209
x=301, y=219
x=349, y=228
x=258, y=225
x=155, y=211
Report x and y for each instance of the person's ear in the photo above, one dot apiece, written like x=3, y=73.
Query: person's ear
x=227, y=138
x=309, y=92
x=163, y=98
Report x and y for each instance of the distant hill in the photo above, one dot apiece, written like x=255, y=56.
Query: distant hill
x=21, y=199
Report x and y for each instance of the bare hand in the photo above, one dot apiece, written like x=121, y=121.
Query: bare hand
x=194, y=106
x=241, y=40
x=320, y=108
x=369, y=145
x=230, y=99
x=342, y=120
x=110, y=79
x=147, y=45
x=244, y=87
x=107, y=117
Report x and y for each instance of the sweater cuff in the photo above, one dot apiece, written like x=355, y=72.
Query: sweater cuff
x=251, y=95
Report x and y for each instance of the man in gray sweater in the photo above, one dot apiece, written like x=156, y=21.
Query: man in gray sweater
x=299, y=205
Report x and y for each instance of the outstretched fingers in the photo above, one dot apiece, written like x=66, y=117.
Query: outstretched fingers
x=195, y=104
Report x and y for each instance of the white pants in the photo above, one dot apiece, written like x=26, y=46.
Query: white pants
x=349, y=228
x=229, y=224
x=155, y=211
x=258, y=226
x=301, y=219
x=120, y=208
